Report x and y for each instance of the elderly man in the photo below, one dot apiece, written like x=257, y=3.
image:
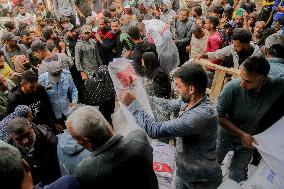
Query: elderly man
x=195, y=128
x=258, y=28
x=16, y=173
x=239, y=18
x=38, y=147
x=127, y=161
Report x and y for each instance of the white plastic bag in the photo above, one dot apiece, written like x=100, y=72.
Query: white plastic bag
x=270, y=172
x=77, y=20
x=263, y=178
x=125, y=78
x=164, y=164
x=271, y=147
x=229, y=184
x=158, y=32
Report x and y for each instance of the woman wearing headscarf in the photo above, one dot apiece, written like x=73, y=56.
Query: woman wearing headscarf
x=99, y=91
x=156, y=83
x=22, y=64
x=20, y=111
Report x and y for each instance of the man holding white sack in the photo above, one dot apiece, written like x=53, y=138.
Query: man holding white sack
x=195, y=128
x=241, y=108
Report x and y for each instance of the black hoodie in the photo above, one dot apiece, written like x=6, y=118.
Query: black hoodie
x=138, y=51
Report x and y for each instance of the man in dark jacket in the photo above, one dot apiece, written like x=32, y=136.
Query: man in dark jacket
x=117, y=161
x=30, y=93
x=140, y=47
x=15, y=173
x=38, y=147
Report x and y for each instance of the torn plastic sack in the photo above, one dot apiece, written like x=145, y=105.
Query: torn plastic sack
x=158, y=33
x=164, y=164
x=124, y=78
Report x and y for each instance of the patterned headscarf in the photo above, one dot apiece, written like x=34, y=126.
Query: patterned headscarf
x=99, y=89
x=20, y=111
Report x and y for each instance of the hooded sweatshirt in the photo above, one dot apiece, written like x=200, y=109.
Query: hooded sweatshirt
x=69, y=153
x=20, y=111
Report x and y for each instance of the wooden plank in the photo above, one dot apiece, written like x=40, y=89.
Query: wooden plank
x=217, y=85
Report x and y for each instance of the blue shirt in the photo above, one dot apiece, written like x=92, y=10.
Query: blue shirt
x=196, y=131
x=58, y=93
x=276, y=67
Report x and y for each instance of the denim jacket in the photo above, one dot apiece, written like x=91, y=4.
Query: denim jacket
x=195, y=129
x=276, y=67
x=58, y=93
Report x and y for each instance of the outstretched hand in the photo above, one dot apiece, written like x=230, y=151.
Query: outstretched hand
x=126, y=97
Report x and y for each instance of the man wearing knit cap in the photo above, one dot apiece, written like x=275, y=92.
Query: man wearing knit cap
x=273, y=50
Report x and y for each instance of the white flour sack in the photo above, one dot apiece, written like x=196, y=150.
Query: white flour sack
x=125, y=78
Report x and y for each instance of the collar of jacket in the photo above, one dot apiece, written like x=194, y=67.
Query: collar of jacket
x=202, y=99
x=108, y=144
x=273, y=60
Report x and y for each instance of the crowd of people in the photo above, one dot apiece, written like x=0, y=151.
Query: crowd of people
x=57, y=97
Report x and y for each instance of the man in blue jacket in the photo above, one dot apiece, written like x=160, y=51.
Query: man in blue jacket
x=61, y=90
x=195, y=128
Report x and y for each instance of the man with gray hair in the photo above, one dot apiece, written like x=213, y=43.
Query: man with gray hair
x=12, y=167
x=116, y=160
x=38, y=147
x=258, y=28
x=15, y=173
